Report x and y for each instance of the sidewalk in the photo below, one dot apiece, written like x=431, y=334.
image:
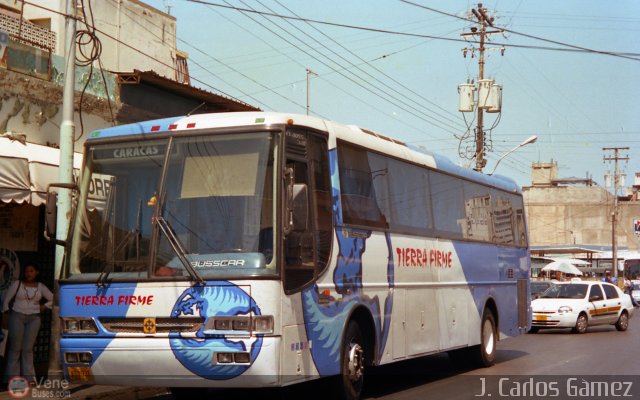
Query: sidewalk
x=96, y=392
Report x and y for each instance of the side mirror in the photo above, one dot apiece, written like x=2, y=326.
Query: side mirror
x=300, y=207
x=51, y=212
x=595, y=298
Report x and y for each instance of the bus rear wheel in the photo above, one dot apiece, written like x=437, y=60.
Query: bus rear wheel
x=351, y=379
x=484, y=354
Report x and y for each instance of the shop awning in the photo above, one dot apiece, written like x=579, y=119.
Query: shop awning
x=26, y=170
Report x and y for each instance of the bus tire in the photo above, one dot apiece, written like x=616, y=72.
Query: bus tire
x=484, y=354
x=351, y=379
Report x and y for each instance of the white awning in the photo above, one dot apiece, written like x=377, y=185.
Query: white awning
x=27, y=169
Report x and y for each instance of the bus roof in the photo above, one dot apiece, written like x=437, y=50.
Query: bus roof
x=350, y=133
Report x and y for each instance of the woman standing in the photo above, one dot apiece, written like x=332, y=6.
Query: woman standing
x=24, y=321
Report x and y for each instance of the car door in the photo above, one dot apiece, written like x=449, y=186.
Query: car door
x=613, y=303
x=598, y=305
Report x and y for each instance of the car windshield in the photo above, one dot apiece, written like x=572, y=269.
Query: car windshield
x=539, y=287
x=567, y=291
x=214, y=208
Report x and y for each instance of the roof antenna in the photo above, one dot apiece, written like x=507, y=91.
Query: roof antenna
x=195, y=109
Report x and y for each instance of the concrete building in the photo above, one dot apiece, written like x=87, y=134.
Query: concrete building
x=578, y=212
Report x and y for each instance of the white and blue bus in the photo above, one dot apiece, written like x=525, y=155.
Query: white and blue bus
x=266, y=249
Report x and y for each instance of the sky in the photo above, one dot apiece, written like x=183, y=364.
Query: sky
x=394, y=67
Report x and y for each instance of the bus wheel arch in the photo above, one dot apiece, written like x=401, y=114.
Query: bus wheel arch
x=491, y=306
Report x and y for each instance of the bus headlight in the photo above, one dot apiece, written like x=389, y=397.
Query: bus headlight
x=78, y=357
x=263, y=324
x=79, y=325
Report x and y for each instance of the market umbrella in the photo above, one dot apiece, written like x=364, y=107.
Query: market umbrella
x=562, y=266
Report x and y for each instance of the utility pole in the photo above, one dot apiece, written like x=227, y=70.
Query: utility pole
x=67, y=136
x=483, y=21
x=614, y=214
x=309, y=73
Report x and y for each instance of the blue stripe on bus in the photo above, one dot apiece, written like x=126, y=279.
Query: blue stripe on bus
x=489, y=263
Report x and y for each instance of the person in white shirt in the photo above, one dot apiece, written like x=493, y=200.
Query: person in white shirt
x=24, y=321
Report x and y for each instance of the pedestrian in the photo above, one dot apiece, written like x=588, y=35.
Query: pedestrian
x=628, y=289
x=22, y=305
x=607, y=278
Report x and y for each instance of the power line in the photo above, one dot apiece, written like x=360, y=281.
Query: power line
x=376, y=69
x=572, y=48
x=367, y=88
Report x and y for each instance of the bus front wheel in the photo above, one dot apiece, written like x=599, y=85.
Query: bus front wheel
x=351, y=377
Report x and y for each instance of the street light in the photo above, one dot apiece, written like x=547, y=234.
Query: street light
x=529, y=140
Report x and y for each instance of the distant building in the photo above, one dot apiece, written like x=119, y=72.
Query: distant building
x=576, y=211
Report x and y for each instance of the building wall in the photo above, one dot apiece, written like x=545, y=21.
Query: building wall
x=578, y=215
x=139, y=25
x=33, y=107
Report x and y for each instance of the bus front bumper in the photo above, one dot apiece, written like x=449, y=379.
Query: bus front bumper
x=172, y=362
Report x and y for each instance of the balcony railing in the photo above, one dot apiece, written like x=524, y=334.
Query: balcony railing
x=25, y=47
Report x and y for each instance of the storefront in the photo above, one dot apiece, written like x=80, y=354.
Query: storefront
x=25, y=171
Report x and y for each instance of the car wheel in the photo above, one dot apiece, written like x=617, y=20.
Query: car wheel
x=534, y=329
x=623, y=322
x=581, y=324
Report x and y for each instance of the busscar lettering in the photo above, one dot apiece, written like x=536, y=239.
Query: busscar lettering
x=110, y=300
x=423, y=258
x=217, y=263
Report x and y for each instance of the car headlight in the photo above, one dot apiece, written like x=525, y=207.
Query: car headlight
x=565, y=310
x=79, y=325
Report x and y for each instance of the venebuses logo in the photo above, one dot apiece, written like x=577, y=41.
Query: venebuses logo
x=18, y=387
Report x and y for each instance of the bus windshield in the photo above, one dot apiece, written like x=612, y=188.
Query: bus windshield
x=212, y=204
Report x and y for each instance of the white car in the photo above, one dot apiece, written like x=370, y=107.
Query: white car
x=579, y=304
x=635, y=290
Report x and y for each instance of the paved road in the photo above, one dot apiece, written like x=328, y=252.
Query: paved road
x=553, y=363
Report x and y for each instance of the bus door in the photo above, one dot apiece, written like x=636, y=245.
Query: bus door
x=307, y=240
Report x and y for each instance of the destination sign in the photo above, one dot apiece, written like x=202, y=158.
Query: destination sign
x=128, y=152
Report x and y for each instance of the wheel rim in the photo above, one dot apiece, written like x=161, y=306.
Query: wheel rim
x=355, y=362
x=582, y=323
x=487, y=334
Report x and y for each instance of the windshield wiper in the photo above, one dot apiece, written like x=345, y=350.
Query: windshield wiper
x=135, y=233
x=177, y=247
